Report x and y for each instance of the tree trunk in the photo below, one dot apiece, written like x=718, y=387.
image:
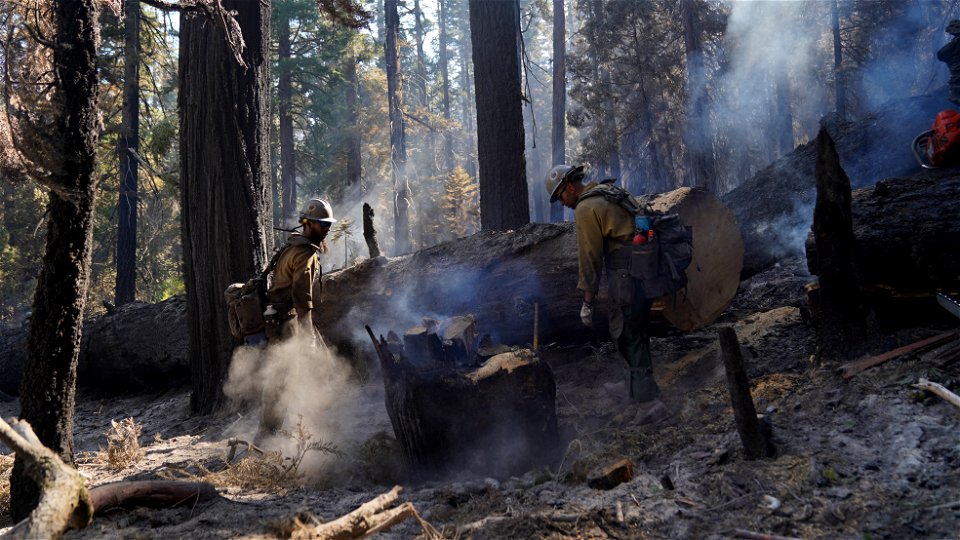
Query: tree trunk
x=445, y=81
x=610, y=124
x=398, y=148
x=224, y=175
x=783, y=122
x=354, y=140
x=699, y=131
x=288, y=160
x=559, y=125
x=129, y=140
x=421, y=80
x=466, y=100
x=499, y=276
x=48, y=387
x=839, y=84
x=494, y=30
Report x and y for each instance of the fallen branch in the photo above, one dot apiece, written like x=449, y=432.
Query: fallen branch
x=64, y=501
x=750, y=535
x=149, y=493
x=938, y=389
x=853, y=368
x=371, y=517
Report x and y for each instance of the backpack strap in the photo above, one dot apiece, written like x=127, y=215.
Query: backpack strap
x=615, y=194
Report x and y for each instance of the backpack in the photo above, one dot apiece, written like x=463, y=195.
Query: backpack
x=246, y=302
x=662, y=247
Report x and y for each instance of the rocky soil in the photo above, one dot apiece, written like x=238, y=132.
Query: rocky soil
x=865, y=458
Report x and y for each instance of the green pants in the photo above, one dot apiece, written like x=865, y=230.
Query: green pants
x=633, y=344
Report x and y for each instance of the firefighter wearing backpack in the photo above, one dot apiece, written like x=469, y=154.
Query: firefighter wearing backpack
x=294, y=287
x=604, y=233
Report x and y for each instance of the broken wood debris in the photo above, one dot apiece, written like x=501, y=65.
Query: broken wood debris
x=756, y=443
x=852, y=368
x=371, y=517
x=750, y=535
x=612, y=475
x=938, y=389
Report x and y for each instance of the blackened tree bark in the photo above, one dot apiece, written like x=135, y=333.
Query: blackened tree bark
x=47, y=390
x=839, y=84
x=421, y=79
x=354, y=141
x=494, y=31
x=398, y=148
x=126, y=284
x=558, y=132
x=288, y=160
x=224, y=174
x=698, y=132
x=445, y=83
x=841, y=325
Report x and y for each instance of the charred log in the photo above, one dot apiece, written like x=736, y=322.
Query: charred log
x=905, y=235
x=775, y=207
x=138, y=346
x=500, y=276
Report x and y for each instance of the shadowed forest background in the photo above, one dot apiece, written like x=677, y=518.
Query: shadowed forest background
x=660, y=94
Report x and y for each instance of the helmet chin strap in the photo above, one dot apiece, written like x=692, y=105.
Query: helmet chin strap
x=288, y=230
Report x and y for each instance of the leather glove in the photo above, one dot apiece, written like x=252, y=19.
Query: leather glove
x=586, y=315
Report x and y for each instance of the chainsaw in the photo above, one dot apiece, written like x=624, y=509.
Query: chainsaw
x=940, y=146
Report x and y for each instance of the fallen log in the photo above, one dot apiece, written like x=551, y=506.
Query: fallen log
x=905, y=235
x=64, y=500
x=775, y=207
x=136, y=347
x=149, y=493
x=495, y=419
x=500, y=276
x=940, y=390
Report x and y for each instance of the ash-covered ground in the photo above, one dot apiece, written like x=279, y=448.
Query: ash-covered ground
x=866, y=458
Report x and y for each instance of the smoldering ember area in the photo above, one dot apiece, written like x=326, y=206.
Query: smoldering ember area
x=480, y=269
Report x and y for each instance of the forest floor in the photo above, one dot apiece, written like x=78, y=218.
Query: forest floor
x=863, y=458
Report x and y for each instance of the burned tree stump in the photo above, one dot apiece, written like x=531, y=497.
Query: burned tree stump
x=756, y=443
x=841, y=330
x=495, y=418
x=369, y=233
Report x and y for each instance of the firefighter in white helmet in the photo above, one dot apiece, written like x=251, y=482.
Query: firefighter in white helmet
x=295, y=291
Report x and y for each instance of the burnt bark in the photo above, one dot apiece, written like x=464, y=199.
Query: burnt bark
x=288, y=159
x=559, y=124
x=398, y=148
x=48, y=388
x=224, y=176
x=841, y=325
x=369, y=232
x=129, y=141
x=494, y=31
x=496, y=419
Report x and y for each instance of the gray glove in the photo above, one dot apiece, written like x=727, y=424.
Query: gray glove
x=586, y=314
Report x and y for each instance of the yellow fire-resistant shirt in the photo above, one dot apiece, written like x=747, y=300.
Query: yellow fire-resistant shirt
x=295, y=274
x=598, y=219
